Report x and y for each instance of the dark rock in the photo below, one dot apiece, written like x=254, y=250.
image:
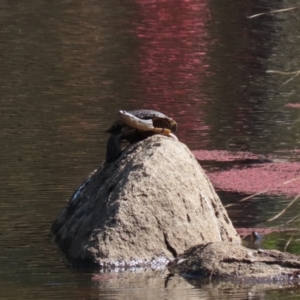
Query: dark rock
x=146, y=207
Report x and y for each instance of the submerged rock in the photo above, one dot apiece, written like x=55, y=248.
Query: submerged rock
x=145, y=208
x=229, y=260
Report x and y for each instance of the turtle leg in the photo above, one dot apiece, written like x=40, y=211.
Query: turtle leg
x=166, y=132
x=163, y=131
x=113, y=148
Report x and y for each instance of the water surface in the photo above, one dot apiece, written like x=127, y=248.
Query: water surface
x=68, y=66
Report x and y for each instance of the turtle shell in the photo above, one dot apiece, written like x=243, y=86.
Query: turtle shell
x=159, y=120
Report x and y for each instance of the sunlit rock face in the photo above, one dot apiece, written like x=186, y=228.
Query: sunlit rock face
x=145, y=208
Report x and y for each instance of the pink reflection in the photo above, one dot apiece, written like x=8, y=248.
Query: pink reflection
x=280, y=177
x=272, y=178
x=293, y=105
x=172, y=58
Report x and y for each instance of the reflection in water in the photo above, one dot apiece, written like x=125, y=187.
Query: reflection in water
x=173, y=45
x=250, y=110
x=162, y=286
x=68, y=66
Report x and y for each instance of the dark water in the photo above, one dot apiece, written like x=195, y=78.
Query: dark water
x=66, y=68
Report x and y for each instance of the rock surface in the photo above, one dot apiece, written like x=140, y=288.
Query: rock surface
x=151, y=204
x=229, y=260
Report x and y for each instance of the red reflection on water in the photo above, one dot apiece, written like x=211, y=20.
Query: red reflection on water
x=270, y=178
x=172, y=58
x=280, y=177
x=293, y=105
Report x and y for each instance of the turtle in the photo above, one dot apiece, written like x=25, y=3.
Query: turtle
x=136, y=125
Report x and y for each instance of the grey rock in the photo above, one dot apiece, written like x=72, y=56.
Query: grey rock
x=148, y=206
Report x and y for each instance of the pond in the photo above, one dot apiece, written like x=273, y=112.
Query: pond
x=68, y=66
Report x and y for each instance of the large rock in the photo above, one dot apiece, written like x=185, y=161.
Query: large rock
x=153, y=203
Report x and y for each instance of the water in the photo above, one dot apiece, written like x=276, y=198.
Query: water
x=66, y=68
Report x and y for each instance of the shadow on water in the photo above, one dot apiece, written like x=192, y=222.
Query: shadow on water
x=68, y=66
